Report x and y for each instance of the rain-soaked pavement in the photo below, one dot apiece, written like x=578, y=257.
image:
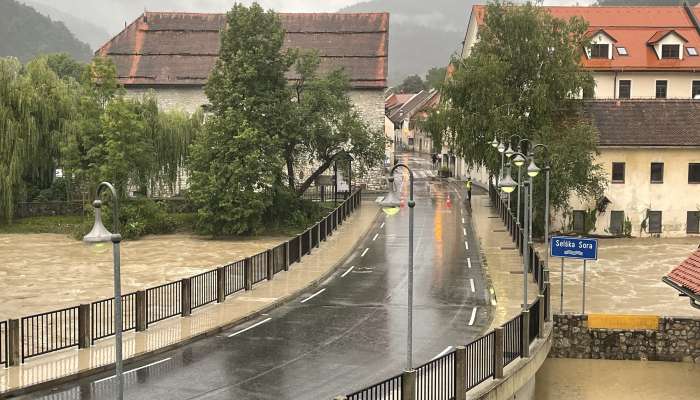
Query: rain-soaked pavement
x=47, y=272
x=572, y=379
x=344, y=335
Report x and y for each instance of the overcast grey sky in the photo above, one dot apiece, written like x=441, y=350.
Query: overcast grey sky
x=112, y=14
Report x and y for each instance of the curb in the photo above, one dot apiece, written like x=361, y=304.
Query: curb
x=212, y=332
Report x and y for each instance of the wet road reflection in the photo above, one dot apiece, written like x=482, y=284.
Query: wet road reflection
x=347, y=336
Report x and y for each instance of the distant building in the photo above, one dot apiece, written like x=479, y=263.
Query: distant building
x=636, y=52
x=173, y=53
x=404, y=112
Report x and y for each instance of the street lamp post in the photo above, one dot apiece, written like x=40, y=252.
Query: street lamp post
x=507, y=185
x=390, y=204
x=100, y=234
x=546, y=196
x=521, y=162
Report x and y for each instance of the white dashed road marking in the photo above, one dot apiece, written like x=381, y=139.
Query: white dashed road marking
x=347, y=272
x=469, y=263
x=466, y=245
x=376, y=235
x=364, y=252
x=471, y=284
x=442, y=353
x=313, y=295
x=381, y=226
x=473, y=317
x=136, y=369
x=250, y=327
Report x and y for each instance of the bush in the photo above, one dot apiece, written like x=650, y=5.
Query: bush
x=137, y=217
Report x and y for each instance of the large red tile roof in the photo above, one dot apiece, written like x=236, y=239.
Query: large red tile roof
x=687, y=274
x=633, y=28
x=166, y=48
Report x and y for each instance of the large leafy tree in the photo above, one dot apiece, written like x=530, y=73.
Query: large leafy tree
x=524, y=78
x=234, y=163
x=435, y=77
x=324, y=126
x=263, y=130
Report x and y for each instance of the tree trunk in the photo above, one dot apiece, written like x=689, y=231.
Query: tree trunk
x=290, y=172
x=307, y=183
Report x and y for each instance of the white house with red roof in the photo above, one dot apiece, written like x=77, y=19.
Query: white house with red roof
x=646, y=66
x=636, y=52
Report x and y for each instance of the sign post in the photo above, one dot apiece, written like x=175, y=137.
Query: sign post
x=577, y=249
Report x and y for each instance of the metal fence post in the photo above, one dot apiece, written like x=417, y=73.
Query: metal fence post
x=141, y=315
x=311, y=239
x=84, y=326
x=248, y=273
x=318, y=233
x=408, y=385
x=547, y=300
x=270, y=264
x=186, y=297
x=286, y=255
x=525, y=334
x=540, y=314
x=498, y=348
x=325, y=229
x=460, y=373
x=14, y=335
x=220, y=285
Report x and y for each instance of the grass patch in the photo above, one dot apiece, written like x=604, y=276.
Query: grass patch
x=63, y=224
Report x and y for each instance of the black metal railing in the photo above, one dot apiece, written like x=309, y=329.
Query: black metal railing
x=259, y=267
x=50, y=331
x=163, y=302
x=102, y=316
x=512, y=339
x=534, y=319
x=234, y=277
x=435, y=380
x=3, y=342
x=279, y=256
x=204, y=289
x=56, y=330
x=480, y=360
x=294, y=251
x=389, y=389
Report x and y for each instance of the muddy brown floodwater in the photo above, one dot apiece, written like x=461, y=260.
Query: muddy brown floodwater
x=570, y=379
x=46, y=272
x=626, y=279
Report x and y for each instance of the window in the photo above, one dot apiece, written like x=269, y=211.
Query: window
x=622, y=51
x=670, y=51
x=599, y=50
x=696, y=90
x=654, y=221
x=692, y=51
x=693, y=173
x=661, y=89
x=625, y=89
x=618, y=172
x=579, y=222
x=617, y=222
x=657, y=172
x=693, y=225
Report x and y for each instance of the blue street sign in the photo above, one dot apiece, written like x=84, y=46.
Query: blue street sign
x=576, y=248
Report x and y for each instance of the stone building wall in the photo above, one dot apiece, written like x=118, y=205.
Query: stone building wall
x=675, y=339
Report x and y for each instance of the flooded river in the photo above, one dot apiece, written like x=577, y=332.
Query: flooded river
x=569, y=379
x=46, y=272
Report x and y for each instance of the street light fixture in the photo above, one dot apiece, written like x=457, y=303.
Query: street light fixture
x=533, y=170
x=501, y=147
x=494, y=142
x=519, y=159
x=507, y=184
x=391, y=204
x=510, y=152
x=100, y=234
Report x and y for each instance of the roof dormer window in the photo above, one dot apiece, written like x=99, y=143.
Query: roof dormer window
x=692, y=51
x=600, y=50
x=622, y=51
x=670, y=51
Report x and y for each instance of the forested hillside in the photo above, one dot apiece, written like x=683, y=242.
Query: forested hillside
x=24, y=33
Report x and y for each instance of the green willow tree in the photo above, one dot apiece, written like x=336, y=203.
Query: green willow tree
x=34, y=105
x=524, y=78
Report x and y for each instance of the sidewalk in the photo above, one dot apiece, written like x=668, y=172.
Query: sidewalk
x=503, y=263
x=208, y=320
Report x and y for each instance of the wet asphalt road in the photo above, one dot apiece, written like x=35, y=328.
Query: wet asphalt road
x=350, y=335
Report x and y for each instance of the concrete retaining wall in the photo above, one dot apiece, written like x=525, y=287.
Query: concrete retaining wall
x=674, y=339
